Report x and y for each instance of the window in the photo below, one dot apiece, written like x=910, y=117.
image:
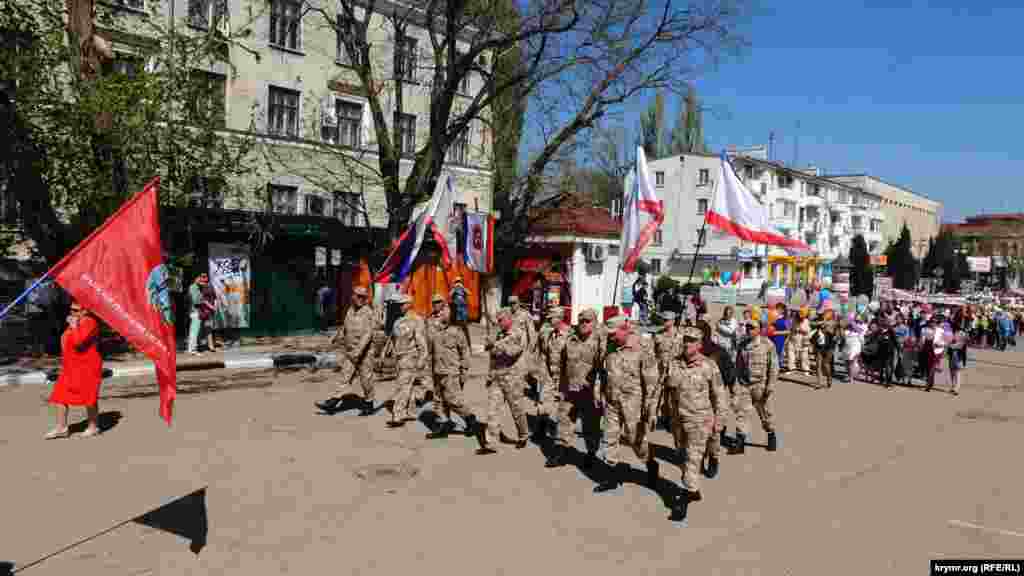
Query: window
x=659, y=179
x=135, y=4
x=345, y=30
x=283, y=199
x=285, y=23
x=655, y=266
x=702, y=206
x=789, y=209
x=458, y=151
x=405, y=125
x=316, y=205
x=764, y=188
x=347, y=208
x=204, y=13
x=748, y=171
x=348, y=125
x=703, y=176
x=205, y=192
x=207, y=95
x=405, y=58
x=657, y=237
x=843, y=197
x=122, y=65
x=283, y=112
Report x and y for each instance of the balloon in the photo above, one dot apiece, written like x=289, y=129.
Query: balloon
x=707, y=274
x=863, y=299
x=824, y=294
x=860, y=308
x=873, y=306
x=764, y=316
x=772, y=316
x=826, y=305
x=725, y=277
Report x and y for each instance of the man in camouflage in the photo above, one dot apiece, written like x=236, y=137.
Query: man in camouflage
x=582, y=359
x=504, y=383
x=355, y=356
x=631, y=371
x=700, y=401
x=531, y=361
x=757, y=369
x=439, y=313
x=551, y=341
x=410, y=350
x=450, y=360
x=668, y=348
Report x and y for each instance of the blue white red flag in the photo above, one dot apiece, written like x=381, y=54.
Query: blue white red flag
x=436, y=219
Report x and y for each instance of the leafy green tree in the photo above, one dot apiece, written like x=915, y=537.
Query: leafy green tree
x=688, y=133
x=862, y=276
x=902, y=267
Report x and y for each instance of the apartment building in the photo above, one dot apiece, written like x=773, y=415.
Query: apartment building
x=901, y=206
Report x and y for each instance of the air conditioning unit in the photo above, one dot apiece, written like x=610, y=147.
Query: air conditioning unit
x=597, y=252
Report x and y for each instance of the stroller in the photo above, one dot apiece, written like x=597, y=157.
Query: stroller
x=878, y=357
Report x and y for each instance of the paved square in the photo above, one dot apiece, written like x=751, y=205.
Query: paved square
x=865, y=479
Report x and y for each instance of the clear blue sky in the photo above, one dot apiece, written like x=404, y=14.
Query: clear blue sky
x=924, y=94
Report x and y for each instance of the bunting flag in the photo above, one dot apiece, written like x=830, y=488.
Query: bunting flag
x=436, y=219
x=642, y=216
x=480, y=242
x=735, y=211
x=118, y=274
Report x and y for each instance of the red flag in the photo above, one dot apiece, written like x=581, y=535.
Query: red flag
x=118, y=273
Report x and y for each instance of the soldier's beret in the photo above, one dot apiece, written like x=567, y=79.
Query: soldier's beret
x=401, y=299
x=667, y=316
x=588, y=314
x=615, y=322
x=438, y=297
x=692, y=333
x=359, y=291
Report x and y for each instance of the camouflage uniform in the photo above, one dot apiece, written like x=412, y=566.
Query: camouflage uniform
x=581, y=362
x=450, y=353
x=411, y=354
x=356, y=360
x=434, y=324
x=700, y=399
x=551, y=341
x=668, y=348
x=531, y=361
x=797, y=353
x=631, y=372
x=757, y=371
x=505, y=383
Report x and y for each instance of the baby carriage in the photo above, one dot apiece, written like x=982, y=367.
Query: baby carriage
x=878, y=357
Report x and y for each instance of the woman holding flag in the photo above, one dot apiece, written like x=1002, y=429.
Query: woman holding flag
x=80, y=375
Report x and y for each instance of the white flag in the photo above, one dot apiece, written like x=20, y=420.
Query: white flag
x=642, y=216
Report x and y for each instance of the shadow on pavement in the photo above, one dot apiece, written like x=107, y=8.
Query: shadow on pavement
x=348, y=402
x=105, y=421
x=185, y=517
x=6, y=568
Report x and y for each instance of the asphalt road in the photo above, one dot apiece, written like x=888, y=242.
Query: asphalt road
x=866, y=479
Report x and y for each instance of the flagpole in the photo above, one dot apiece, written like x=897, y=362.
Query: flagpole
x=24, y=294
x=701, y=235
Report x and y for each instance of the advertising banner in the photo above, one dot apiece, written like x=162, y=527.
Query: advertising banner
x=230, y=279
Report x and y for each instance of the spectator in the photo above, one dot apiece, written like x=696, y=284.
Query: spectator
x=200, y=311
x=640, y=296
x=324, y=305
x=80, y=375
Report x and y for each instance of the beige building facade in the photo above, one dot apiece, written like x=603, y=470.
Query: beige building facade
x=923, y=216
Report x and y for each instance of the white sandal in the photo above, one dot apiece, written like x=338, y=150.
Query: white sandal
x=57, y=433
x=90, y=433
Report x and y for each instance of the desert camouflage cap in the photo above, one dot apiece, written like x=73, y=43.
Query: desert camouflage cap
x=588, y=314
x=401, y=299
x=359, y=291
x=692, y=333
x=513, y=300
x=555, y=312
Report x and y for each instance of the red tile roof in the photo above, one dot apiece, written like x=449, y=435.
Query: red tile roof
x=578, y=221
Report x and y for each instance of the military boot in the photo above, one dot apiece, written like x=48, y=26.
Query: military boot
x=773, y=442
x=481, y=438
x=712, y=468
x=615, y=476
x=441, y=430
x=652, y=473
x=471, y=425
x=680, y=504
x=740, y=444
x=724, y=440
x=367, y=408
x=329, y=405
x=556, y=459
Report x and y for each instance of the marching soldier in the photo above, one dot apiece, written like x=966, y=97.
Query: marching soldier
x=631, y=371
x=505, y=382
x=668, y=348
x=450, y=358
x=410, y=350
x=439, y=313
x=357, y=360
x=700, y=400
x=757, y=371
x=551, y=341
x=581, y=362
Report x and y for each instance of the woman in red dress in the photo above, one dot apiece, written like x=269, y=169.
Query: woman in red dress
x=81, y=372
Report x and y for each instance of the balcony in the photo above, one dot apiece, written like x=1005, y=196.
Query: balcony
x=812, y=201
x=838, y=229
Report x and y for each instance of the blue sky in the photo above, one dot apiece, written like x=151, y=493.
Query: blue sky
x=928, y=95
x=925, y=94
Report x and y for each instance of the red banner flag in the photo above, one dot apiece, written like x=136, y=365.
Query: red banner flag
x=118, y=273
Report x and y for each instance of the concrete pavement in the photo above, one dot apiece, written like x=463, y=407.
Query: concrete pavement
x=865, y=479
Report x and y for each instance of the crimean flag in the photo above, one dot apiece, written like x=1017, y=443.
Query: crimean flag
x=480, y=242
x=642, y=216
x=736, y=212
x=434, y=219
x=118, y=274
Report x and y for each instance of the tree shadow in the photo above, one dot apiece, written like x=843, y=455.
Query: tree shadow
x=105, y=421
x=6, y=568
x=185, y=517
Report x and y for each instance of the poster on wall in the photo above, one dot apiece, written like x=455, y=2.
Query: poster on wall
x=230, y=279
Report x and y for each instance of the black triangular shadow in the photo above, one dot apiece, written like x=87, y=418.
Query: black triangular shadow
x=6, y=568
x=185, y=517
